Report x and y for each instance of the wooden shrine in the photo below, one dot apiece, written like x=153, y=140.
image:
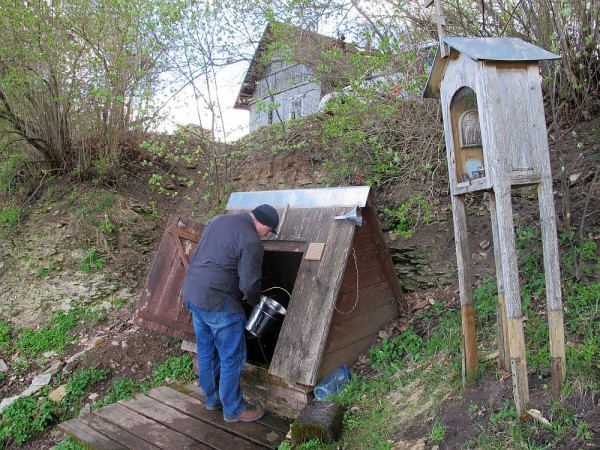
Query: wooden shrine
x=495, y=133
x=329, y=256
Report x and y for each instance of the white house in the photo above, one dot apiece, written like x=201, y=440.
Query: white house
x=281, y=84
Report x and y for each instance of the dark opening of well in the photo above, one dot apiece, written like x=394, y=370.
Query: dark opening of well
x=279, y=270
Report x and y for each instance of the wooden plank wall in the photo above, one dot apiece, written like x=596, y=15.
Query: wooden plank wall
x=160, y=307
x=359, y=315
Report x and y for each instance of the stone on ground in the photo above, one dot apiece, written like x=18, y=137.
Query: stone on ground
x=320, y=420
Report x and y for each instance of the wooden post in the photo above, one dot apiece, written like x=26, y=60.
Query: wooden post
x=504, y=354
x=514, y=315
x=463, y=259
x=558, y=369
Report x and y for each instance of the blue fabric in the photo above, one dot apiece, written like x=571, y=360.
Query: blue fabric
x=221, y=346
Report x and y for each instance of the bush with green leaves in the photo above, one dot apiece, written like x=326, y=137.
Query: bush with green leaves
x=69, y=444
x=390, y=354
x=176, y=368
x=83, y=379
x=406, y=218
x=24, y=418
x=28, y=416
x=9, y=216
x=122, y=389
x=54, y=335
x=6, y=331
x=93, y=260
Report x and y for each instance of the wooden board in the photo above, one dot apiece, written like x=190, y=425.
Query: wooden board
x=305, y=328
x=358, y=326
x=170, y=417
x=89, y=436
x=116, y=433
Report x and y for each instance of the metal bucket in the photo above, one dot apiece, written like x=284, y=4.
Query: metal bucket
x=266, y=317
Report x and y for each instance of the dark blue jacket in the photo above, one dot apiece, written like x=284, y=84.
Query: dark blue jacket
x=226, y=266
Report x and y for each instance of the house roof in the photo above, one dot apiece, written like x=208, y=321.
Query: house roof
x=306, y=44
x=483, y=49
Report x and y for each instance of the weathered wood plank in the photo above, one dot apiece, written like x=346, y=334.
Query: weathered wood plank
x=303, y=334
x=185, y=424
x=284, y=246
x=464, y=266
x=333, y=360
x=254, y=431
x=364, y=260
x=88, y=436
x=504, y=355
x=117, y=433
x=371, y=218
x=342, y=334
x=367, y=277
x=147, y=429
x=279, y=396
x=364, y=243
x=369, y=298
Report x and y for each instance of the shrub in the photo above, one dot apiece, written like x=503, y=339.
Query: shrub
x=174, y=369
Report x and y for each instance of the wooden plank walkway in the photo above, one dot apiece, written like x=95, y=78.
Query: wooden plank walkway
x=172, y=417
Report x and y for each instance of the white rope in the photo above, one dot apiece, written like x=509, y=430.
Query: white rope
x=278, y=287
x=356, y=301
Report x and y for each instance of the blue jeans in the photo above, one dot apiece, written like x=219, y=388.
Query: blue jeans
x=221, y=346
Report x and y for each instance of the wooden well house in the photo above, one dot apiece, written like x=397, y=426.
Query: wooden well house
x=329, y=266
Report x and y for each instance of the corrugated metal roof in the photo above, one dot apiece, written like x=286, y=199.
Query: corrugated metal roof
x=483, y=49
x=301, y=198
x=499, y=49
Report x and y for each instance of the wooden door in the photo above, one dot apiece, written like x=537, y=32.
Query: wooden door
x=161, y=307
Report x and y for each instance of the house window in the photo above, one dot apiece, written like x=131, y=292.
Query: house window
x=296, y=108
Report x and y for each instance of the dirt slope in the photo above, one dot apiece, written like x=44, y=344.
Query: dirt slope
x=55, y=236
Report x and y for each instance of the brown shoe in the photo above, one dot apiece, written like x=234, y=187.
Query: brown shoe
x=250, y=415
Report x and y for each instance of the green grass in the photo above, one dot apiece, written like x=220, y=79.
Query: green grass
x=6, y=332
x=69, y=444
x=28, y=416
x=437, y=433
x=93, y=260
x=9, y=216
x=427, y=366
x=176, y=368
x=122, y=389
x=53, y=336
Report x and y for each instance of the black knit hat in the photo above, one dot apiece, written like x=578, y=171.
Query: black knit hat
x=267, y=215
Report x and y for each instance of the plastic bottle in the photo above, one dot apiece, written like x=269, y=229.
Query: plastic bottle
x=333, y=383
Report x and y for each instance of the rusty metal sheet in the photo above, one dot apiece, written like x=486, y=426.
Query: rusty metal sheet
x=160, y=307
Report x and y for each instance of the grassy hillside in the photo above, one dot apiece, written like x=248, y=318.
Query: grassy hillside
x=74, y=257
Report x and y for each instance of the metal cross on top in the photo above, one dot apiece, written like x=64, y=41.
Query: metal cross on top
x=438, y=18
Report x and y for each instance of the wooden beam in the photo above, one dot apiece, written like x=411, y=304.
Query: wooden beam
x=116, y=433
x=82, y=432
x=504, y=355
x=514, y=315
x=464, y=265
x=558, y=367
